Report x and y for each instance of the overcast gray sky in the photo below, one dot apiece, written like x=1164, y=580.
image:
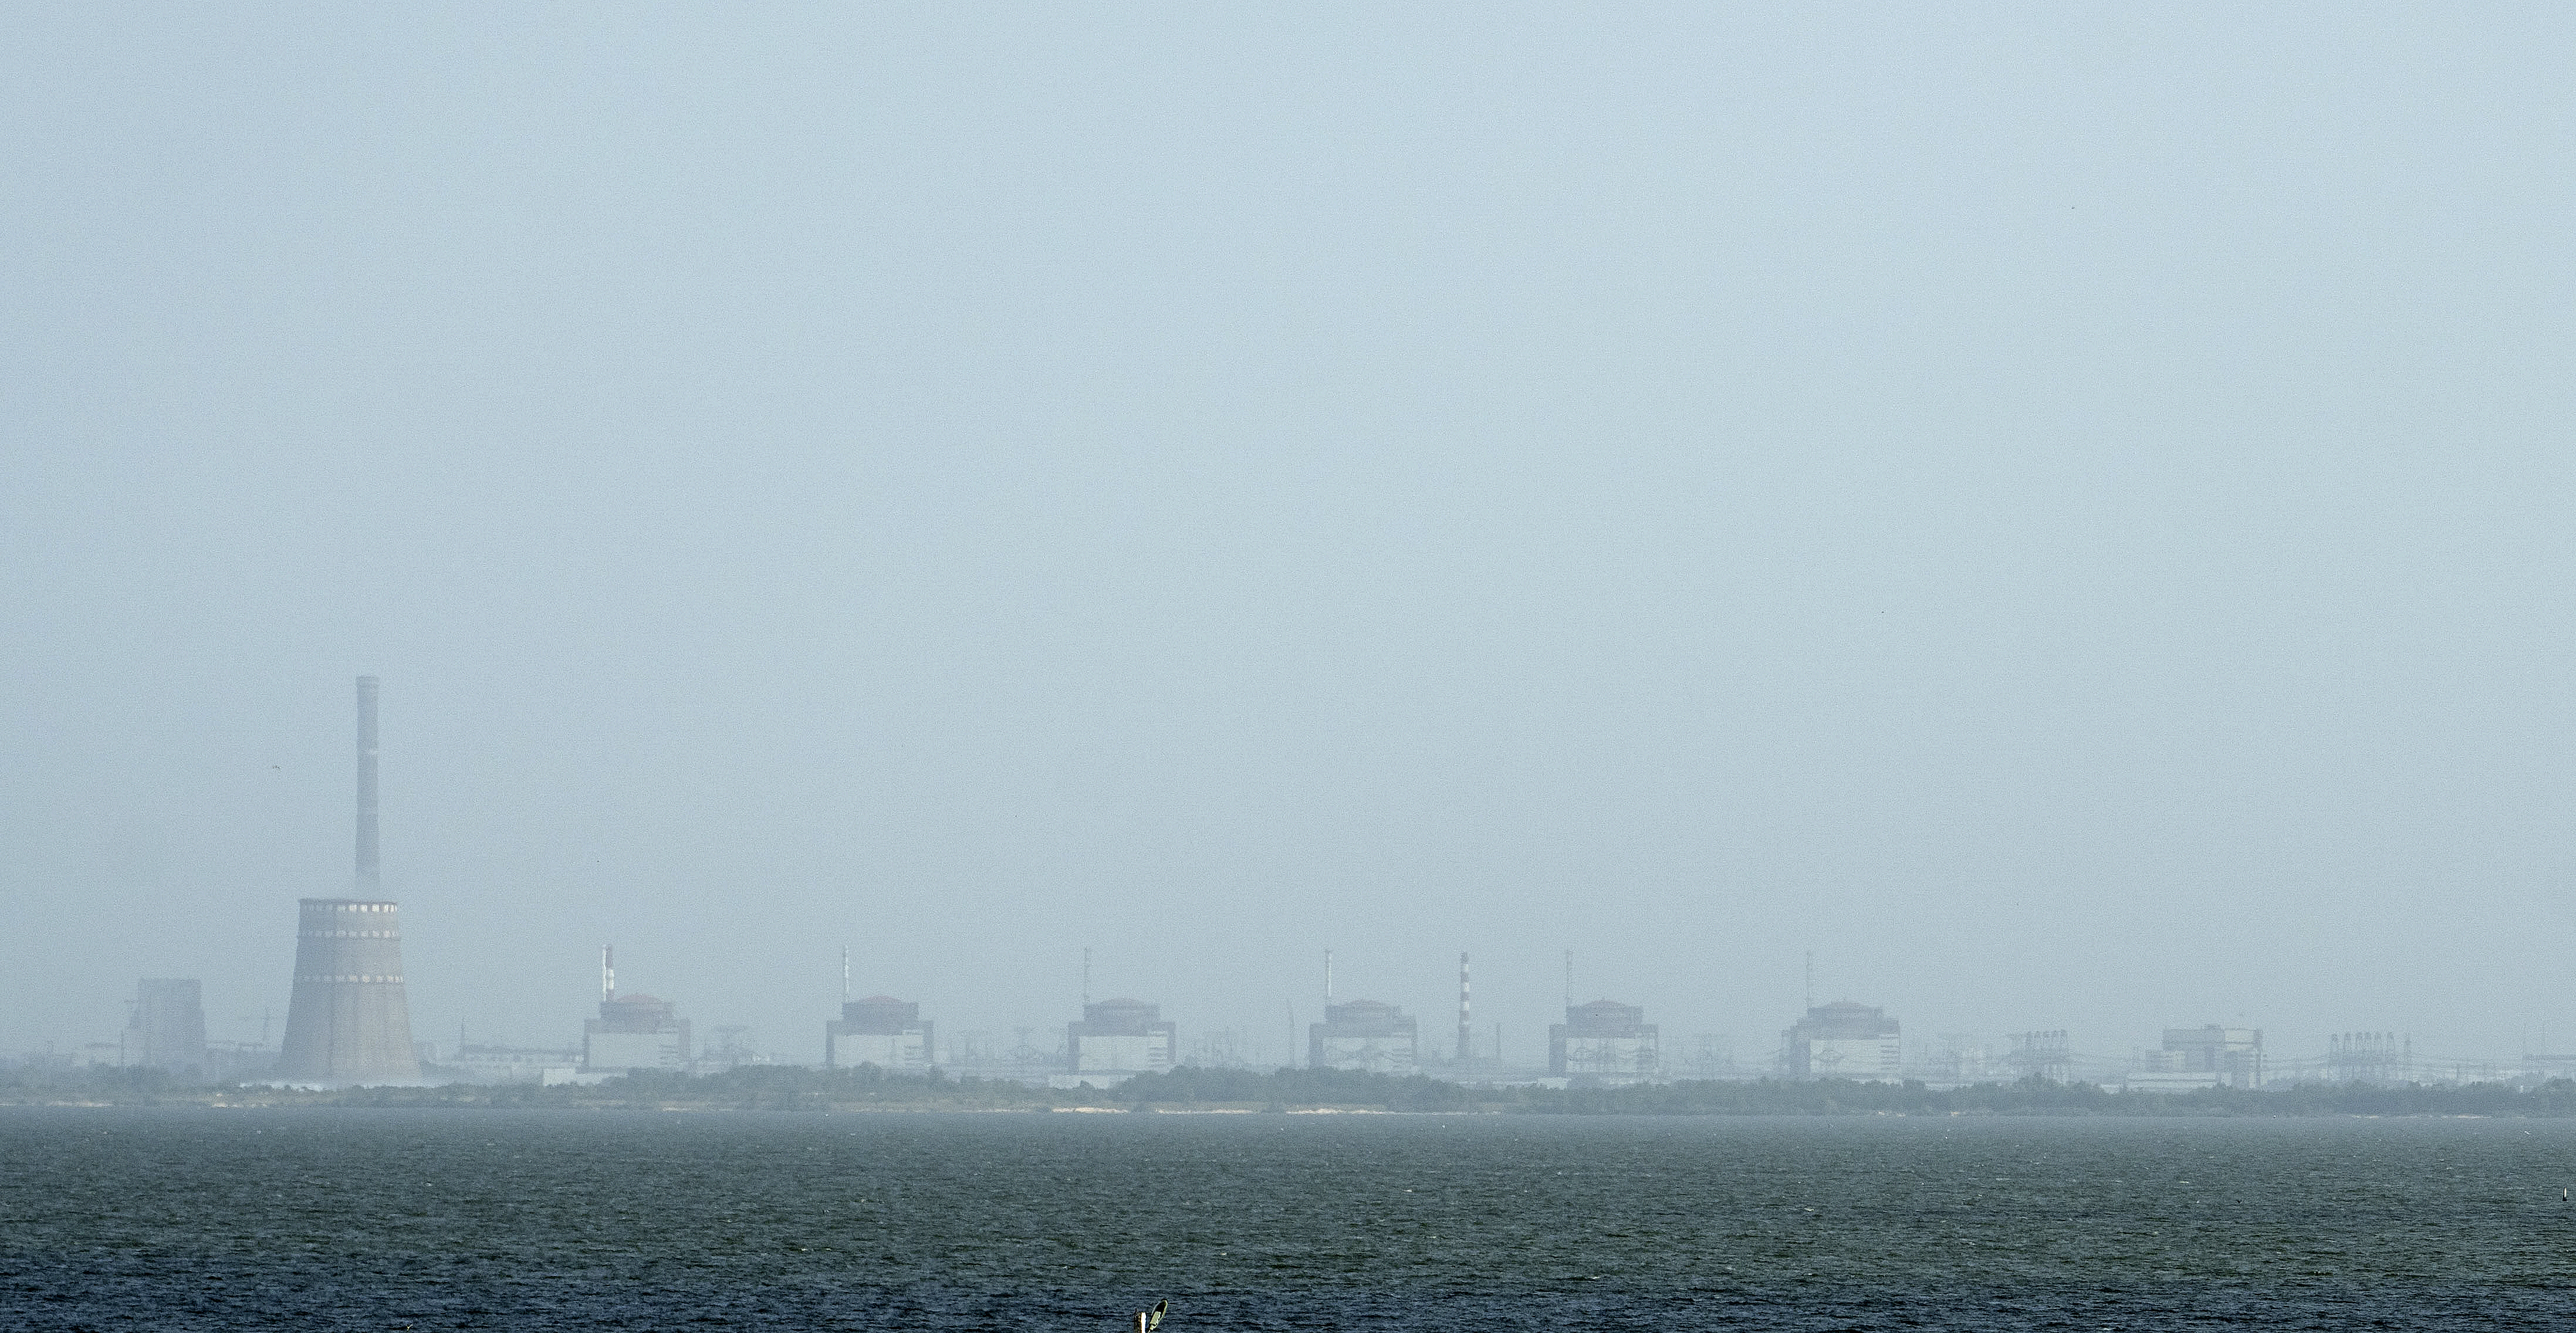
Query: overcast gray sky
x=2060, y=510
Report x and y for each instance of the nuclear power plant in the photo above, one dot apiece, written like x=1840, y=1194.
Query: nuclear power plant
x=349, y=1023
x=348, y=1019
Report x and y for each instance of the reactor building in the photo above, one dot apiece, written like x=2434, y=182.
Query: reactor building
x=1603, y=1040
x=882, y=1031
x=348, y=1019
x=632, y=1032
x=1844, y=1040
x=1121, y=1037
x=1364, y=1035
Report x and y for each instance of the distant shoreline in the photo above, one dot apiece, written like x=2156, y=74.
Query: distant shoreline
x=1199, y=1091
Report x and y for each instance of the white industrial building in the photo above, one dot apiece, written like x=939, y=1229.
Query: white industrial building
x=1844, y=1040
x=1604, y=1041
x=882, y=1031
x=634, y=1032
x=512, y=1064
x=1116, y=1040
x=1364, y=1035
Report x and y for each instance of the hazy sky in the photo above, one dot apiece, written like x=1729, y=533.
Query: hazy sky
x=2062, y=511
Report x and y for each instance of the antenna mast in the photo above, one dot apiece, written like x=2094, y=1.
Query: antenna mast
x=607, y=973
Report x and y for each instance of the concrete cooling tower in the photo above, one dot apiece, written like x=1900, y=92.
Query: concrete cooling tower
x=349, y=1020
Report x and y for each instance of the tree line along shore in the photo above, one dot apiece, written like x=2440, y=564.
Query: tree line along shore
x=1189, y=1089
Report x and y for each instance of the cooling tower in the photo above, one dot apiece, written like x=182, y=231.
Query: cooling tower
x=348, y=1021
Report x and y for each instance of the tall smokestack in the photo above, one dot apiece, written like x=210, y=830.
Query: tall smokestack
x=369, y=880
x=1466, y=1034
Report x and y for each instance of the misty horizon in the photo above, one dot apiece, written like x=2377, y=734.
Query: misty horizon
x=2060, y=516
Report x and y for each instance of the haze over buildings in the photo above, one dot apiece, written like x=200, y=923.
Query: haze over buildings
x=1943, y=489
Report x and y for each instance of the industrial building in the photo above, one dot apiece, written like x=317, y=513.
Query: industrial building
x=1844, y=1040
x=513, y=1064
x=882, y=1031
x=168, y=1030
x=632, y=1032
x=1364, y=1035
x=348, y=1019
x=1116, y=1039
x=2203, y=1057
x=1603, y=1041
x=635, y=1032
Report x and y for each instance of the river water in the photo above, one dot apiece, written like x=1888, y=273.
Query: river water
x=189, y=1218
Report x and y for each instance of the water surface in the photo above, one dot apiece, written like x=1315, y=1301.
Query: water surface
x=367, y=1219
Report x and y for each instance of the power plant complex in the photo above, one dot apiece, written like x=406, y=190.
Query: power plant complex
x=348, y=1022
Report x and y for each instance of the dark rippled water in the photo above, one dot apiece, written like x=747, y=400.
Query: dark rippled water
x=201, y=1219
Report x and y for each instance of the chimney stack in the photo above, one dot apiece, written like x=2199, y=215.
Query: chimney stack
x=1466, y=1038
x=369, y=882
